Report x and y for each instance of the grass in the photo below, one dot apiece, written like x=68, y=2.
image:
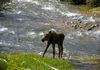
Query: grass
x=85, y=8
x=96, y=11
x=90, y=10
x=33, y=62
x=92, y=60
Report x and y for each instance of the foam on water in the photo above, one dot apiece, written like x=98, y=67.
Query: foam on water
x=93, y=33
x=90, y=19
x=11, y=32
x=3, y=29
x=20, y=19
x=69, y=36
x=73, y=35
x=97, y=32
x=79, y=34
x=6, y=30
x=4, y=43
x=69, y=14
x=25, y=0
x=47, y=7
x=1, y=43
x=19, y=12
x=31, y=33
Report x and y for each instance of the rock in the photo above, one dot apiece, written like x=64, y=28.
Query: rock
x=92, y=27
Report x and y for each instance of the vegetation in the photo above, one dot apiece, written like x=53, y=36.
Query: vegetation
x=85, y=8
x=79, y=1
x=32, y=62
x=2, y=4
x=92, y=60
x=87, y=2
x=93, y=2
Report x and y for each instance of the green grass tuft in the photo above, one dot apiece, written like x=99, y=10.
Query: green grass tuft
x=85, y=8
x=92, y=60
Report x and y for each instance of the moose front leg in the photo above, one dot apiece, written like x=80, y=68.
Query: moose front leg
x=46, y=49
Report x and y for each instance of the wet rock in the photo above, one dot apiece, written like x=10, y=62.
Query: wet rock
x=85, y=26
x=92, y=27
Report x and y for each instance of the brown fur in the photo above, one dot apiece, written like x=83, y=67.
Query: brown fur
x=54, y=38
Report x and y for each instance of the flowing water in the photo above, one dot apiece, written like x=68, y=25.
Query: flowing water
x=22, y=26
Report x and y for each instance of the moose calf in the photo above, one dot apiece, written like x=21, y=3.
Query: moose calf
x=54, y=38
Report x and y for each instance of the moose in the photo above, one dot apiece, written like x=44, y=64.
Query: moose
x=52, y=37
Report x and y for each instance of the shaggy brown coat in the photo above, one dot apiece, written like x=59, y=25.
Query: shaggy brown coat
x=54, y=38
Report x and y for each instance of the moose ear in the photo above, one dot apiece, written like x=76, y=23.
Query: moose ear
x=50, y=31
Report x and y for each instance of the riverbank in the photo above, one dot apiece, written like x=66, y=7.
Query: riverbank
x=89, y=10
x=32, y=62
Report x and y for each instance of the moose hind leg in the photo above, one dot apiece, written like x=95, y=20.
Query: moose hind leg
x=59, y=49
x=53, y=50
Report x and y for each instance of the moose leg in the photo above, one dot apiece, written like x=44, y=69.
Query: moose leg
x=53, y=50
x=46, y=49
x=60, y=46
x=59, y=51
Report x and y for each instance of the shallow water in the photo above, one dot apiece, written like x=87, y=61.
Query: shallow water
x=22, y=27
